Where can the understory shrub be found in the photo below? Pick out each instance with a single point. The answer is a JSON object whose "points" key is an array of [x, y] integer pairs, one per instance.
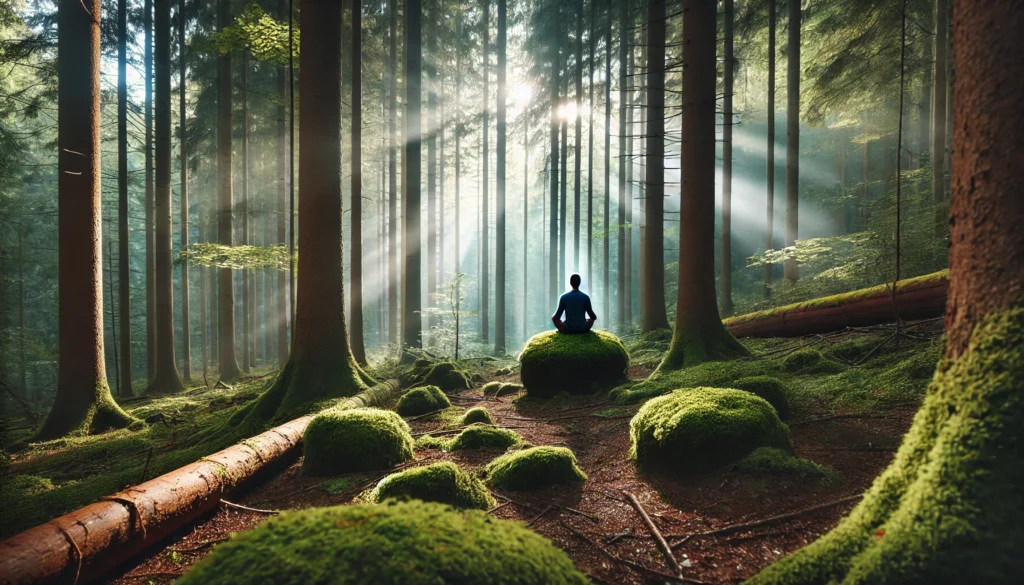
{"points": [[534, 468], [769, 388], [444, 483], [580, 363], [421, 401], [361, 439]]}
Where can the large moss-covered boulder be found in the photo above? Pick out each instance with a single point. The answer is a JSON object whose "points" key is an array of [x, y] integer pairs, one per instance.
{"points": [[697, 429], [422, 400], [398, 542], [447, 376], [363, 439], [534, 468], [581, 363], [444, 483], [769, 388]]}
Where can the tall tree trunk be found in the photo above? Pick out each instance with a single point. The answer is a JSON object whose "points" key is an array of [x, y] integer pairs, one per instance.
{"points": [[83, 403], [578, 140], [204, 322], [592, 34], [186, 332], [430, 125], [939, 106], [654, 315], [607, 306], [623, 264], [412, 325], [284, 175], [556, 66], [226, 303], [769, 227], [727, 84], [630, 101], [150, 271], [563, 209], [485, 238], [526, 220], [392, 172], [699, 334], [165, 377], [246, 298], [947, 508], [790, 269], [123, 248], [458, 154], [499, 268], [356, 266]]}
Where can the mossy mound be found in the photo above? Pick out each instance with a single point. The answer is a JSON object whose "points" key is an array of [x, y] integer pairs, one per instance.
{"points": [[500, 388], [703, 428], [448, 377], [534, 468], [716, 374], [650, 347], [809, 361], [363, 439], [769, 388], [772, 461], [581, 363], [476, 415], [397, 542], [422, 400], [444, 483], [478, 436]]}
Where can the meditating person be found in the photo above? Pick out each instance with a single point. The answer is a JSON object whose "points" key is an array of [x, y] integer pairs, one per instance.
{"points": [[575, 305]]}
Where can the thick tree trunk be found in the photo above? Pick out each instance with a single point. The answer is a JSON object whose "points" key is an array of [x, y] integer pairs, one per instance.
{"points": [[947, 509], [499, 261], [412, 324], [226, 302], [83, 403], [654, 315], [725, 294], [790, 269], [186, 332], [356, 265], [699, 334], [150, 268], [485, 219], [623, 264], [769, 226], [284, 158], [392, 172], [123, 248]]}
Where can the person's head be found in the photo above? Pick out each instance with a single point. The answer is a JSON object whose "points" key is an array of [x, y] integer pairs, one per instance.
{"points": [[574, 281]]}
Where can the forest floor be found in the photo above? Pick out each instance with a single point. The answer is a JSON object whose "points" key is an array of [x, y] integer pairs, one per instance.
{"points": [[849, 419]]}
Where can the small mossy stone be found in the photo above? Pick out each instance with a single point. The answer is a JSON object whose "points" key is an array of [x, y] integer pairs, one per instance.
{"points": [[363, 439], [772, 461], [396, 542], [484, 437], [534, 468], [448, 377], [444, 483], [497, 389], [582, 363], [476, 415], [697, 429], [490, 388], [421, 401], [769, 388]]}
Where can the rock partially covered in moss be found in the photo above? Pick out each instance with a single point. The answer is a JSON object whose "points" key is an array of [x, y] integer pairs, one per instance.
{"points": [[476, 415], [444, 483], [478, 436], [582, 363], [769, 388], [422, 400], [363, 439], [702, 428], [448, 377], [772, 461], [500, 388], [398, 542], [534, 468]]}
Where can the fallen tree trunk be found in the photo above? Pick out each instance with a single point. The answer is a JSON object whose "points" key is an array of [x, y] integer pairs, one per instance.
{"points": [[923, 297], [89, 542]]}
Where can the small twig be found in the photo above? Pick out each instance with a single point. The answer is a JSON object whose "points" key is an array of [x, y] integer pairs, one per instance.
{"points": [[627, 562], [616, 537], [658, 538], [538, 516], [498, 507], [248, 509], [164, 574], [200, 547]]}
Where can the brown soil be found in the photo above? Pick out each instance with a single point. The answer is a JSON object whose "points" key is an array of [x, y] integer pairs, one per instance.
{"points": [[594, 523]]}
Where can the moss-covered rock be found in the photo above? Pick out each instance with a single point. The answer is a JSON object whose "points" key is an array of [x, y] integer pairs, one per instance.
{"points": [[500, 388], [364, 439], [422, 400], [476, 415], [772, 461], [769, 388], [534, 468], [715, 374], [701, 428], [581, 363], [397, 542], [447, 376], [809, 361], [444, 483], [478, 436]]}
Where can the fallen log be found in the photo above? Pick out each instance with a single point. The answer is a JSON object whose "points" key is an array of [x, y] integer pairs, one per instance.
{"points": [[923, 297], [89, 542]]}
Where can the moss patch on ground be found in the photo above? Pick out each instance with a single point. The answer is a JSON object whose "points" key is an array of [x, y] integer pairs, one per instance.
{"points": [[809, 361], [421, 401], [553, 362], [405, 542], [773, 461], [769, 388], [497, 389], [363, 439], [698, 429], [716, 374], [444, 483], [447, 376], [534, 468], [649, 348], [476, 415], [478, 436]]}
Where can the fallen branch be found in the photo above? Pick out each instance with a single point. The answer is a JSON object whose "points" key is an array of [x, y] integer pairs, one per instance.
{"points": [[629, 563], [248, 509], [658, 538], [538, 516], [199, 547]]}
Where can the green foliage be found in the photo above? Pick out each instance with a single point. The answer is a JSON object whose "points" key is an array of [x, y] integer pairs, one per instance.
{"points": [[698, 429], [534, 468], [581, 363], [444, 483], [447, 376], [421, 401], [337, 485], [476, 415], [772, 461], [650, 347], [717, 374], [363, 439], [804, 361], [477, 436], [237, 257], [769, 388], [398, 542], [259, 33], [854, 349]]}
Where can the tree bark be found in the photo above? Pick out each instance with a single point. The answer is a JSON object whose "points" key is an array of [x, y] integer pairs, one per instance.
{"points": [[654, 315], [578, 140], [556, 67], [356, 265], [485, 235], [392, 289], [725, 294], [244, 220], [770, 156], [792, 272], [150, 268], [411, 320], [939, 106], [623, 264], [83, 403], [283, 308], [430, 125], [499, 261], [186, 332], [592, 33], [123, 247], [226, 303], [607, 304]]}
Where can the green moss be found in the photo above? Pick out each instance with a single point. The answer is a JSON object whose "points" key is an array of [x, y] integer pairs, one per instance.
{"points": [[399, 542], [650, 347], [478, 436], [94, 416], [444, 483], [476, 415], [447, 376], [769, 388], [716, 374], [534, 468], [364, 439], [701, 428], [772, 461], [809, 361], [500, 388], [337, 485], [582, 363], [695, 345], [949, 507], [421, 401], [854, 348]]}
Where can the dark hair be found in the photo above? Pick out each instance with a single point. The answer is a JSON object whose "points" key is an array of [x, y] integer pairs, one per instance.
{"points": [[575, 280]]}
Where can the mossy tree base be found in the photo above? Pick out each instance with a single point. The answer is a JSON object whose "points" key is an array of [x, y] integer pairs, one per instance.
{"points": [[691, 346], [950, 508], [97, 414]]}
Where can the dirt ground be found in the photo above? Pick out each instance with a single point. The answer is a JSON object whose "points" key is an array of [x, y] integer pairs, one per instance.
{"points": [[594, 522]]}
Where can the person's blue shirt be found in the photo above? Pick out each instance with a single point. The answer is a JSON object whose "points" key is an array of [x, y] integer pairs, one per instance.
{"points": [[576, 307]]}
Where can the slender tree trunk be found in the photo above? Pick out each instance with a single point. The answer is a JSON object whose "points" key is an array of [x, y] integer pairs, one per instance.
{"points": [[606, 289], [83, 403], [411, 321], [526, 221], [485, 241], [553, 215], [790, 268], [458, 155], [204, 322], [499, 282], [246, 298], [22, 363], [578, 140], [563, 208], [123, 247], [226, 303], [430, 125], [727, 83], [392, 172], [284, 177], [147, 25], [699, 334], [939, 106], [356, 266], [630, 97], [654, 315], [623, 264], [186, 332], [769, 227], [590, 151]]}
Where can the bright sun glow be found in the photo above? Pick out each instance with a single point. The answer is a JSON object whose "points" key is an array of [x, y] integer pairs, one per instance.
{"points": [[523, 93]]}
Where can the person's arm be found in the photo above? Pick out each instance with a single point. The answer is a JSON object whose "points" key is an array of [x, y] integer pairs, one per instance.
{"points": [[590, 311], [556, 319]]}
